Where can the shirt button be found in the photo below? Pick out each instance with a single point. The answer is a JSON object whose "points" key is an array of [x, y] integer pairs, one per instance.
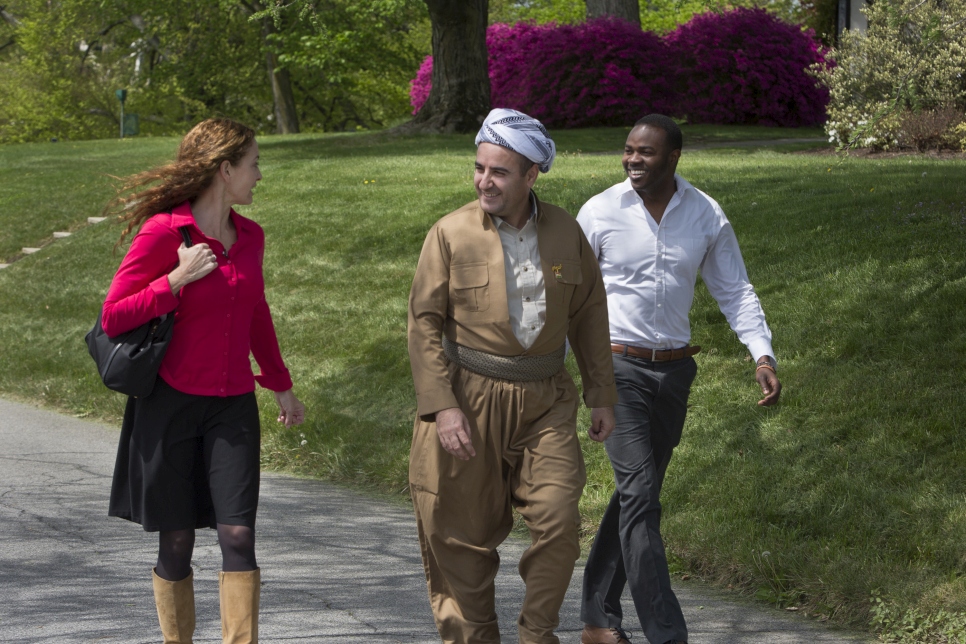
{"points": [[226, 335], [528, 299], [232, 299], [521, 239], [222, 390], [525, 269], [659, 305], [224, 373], [229, 261], [533, 328], [229, 315]]}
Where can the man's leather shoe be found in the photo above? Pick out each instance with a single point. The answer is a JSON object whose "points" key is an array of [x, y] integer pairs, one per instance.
{"points": [[603, 635]]}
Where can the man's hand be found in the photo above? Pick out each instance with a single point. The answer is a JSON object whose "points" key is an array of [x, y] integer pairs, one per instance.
{"points": [[453, 429], [601, 423], [770, 386]]}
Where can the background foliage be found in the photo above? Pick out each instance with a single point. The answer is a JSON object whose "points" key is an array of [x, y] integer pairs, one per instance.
{"points": [[746, 66], [350, 61], [736, 66], [600, 72], [903, 82], [185, 60], [59, 77], [662, 16]]}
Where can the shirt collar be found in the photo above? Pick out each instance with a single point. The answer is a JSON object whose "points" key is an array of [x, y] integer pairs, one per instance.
{"points": [[181, 215], [627, 195]]}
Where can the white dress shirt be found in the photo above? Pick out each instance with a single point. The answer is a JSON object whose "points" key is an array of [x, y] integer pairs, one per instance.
{"points": [[526, 294], [650, 269]]}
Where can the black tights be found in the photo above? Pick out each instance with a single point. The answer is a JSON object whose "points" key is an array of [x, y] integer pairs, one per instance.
{"points": [[175, 547]]}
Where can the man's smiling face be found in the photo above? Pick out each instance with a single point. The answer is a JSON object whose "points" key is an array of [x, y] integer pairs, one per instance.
{"points": [[648, 158], [503, 189]]}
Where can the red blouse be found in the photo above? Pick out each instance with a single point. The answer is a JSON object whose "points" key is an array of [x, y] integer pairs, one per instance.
{"points": [[218, 320]]}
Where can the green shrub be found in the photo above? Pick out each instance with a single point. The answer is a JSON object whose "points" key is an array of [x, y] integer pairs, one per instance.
{"points": [[911, 59], [959, 133]]}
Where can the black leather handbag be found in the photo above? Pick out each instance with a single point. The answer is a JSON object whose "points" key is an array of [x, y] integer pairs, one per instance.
{"points": [[129, 362]]}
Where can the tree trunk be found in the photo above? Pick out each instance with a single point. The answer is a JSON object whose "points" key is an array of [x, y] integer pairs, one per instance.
{"points": [[286, 118], [629, 10], [460, 97]]}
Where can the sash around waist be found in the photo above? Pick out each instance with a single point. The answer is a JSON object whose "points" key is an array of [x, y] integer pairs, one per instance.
{"points": [[513, 368]]}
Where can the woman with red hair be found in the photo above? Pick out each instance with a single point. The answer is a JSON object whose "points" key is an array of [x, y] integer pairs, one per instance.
{"points": [[189, 452]]}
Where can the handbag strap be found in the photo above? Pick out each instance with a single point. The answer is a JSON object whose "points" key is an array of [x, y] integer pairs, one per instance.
{"points": [[186, 236]]}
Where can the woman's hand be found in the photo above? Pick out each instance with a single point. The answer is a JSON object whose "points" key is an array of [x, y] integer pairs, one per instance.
{"points": [[290, 410], [193, 264]]}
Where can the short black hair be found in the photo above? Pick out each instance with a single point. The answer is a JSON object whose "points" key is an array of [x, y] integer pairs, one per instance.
{"points": [[525, 165], [666, 123]]}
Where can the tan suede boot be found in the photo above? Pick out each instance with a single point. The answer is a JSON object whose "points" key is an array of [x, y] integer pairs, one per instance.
{"points": [[239, 592], [176, 608]]}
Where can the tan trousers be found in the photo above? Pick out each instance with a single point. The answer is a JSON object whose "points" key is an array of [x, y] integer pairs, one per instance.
{"points": [[527, 457]]}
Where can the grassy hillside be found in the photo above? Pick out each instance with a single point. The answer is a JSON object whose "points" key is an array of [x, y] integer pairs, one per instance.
{"points": [[852, 488], [47, 187]]}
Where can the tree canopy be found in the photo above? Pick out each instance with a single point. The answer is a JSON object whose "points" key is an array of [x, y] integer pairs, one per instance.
{"points": [[302, 65], [346, 66]]}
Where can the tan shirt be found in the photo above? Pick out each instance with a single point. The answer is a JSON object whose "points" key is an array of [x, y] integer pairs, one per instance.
{"points": [[460, 289]]}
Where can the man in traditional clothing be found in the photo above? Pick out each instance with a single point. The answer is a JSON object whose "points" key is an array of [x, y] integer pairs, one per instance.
{"points": [[652, 234], [501, 284]]}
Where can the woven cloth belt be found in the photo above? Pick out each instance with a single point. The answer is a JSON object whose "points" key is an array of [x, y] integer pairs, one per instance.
{"points": [[514, 368], [655, 355]]}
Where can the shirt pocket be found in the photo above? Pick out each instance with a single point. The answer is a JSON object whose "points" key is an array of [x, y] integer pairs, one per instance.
{"points": [[685, 254], [567, 275], [469, 286]]}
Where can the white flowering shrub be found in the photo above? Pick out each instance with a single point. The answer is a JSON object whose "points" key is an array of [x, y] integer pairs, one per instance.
{"points": [[911, 61]]}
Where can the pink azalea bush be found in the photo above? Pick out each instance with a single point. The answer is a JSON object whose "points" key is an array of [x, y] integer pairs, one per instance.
{"points": [[419, 87], [740, 66], [747, 66], [602, 72]]}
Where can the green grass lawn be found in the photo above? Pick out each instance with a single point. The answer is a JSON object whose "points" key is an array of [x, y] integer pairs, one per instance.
{"points": [[48, 187], [852, 488]]}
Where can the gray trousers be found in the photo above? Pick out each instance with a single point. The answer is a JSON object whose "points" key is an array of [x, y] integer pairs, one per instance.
{"points": [[628, 550]]}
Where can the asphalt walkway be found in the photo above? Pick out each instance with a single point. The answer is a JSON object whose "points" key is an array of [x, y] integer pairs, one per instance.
{"points": [[336, 566]]}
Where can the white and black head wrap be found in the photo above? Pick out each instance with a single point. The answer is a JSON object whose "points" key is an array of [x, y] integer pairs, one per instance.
{"points": [[521, 133]]}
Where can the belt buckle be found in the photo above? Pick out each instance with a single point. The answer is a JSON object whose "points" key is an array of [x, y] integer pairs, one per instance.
{"points": [[653, 355]]}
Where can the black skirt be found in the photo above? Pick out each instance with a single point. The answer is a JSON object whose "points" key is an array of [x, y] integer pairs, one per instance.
{"points": [[187, 461]]}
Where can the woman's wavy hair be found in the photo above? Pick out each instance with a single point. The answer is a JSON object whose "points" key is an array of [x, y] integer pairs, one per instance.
{"points": [[201, 153]]}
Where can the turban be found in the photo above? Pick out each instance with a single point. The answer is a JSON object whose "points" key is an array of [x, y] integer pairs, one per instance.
{"points": [[521, 133]]}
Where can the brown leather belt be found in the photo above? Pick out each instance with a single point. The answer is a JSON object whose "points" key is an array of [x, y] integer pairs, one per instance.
{"points": [[655, 355]]}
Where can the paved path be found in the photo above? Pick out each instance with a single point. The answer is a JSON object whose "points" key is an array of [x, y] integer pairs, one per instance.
{"points": [[337, 566]]}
